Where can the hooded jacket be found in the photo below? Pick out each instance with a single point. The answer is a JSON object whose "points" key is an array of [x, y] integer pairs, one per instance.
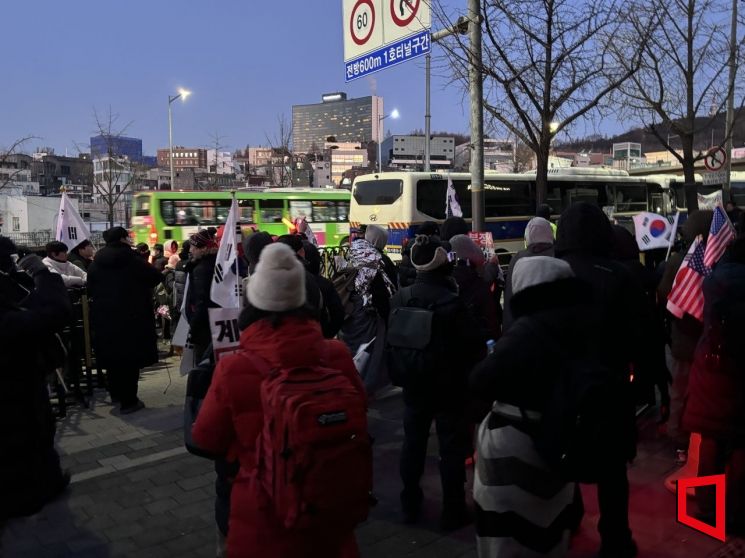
{"points": [[231, 419], [539, 239], [72, 275], [121, 284], [198, 302], [716, 393], [627, 332]]}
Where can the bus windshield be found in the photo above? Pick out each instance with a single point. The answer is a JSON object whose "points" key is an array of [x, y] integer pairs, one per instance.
{"points": [[377, 192]]}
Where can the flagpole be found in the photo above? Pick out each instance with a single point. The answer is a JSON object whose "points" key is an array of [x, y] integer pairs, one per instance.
{"points": [[672, 236], [235, 236]]}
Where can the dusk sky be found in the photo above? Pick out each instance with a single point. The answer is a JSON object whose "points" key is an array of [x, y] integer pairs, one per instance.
{"points": [[246, 62]]}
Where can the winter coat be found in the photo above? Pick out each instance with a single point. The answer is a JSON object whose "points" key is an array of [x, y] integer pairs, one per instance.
{"points": [[475, 294], [121, 284], [198, 300], [72, 275], [716, 392], [457, 336], [29, 466], [540, 249], [179, 284], [332, 314], [519, 376], [160, 263], [231, 419], [80, 261]]}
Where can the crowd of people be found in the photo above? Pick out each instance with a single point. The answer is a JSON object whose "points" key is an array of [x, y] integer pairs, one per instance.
{"points": [[532, 376]]}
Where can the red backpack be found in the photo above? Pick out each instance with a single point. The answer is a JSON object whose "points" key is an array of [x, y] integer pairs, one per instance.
{"points": [[314, 454]]}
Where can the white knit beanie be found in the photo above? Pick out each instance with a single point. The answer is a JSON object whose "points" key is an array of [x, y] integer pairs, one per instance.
{"points": [[536, 270], [538, 231], [278, 284], [377, 236]]}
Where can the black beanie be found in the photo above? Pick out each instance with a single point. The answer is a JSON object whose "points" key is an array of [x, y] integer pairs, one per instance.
{"points": [[294, 241], [253, 245]]}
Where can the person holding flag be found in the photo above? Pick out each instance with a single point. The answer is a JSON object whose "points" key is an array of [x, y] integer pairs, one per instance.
{"points": [[685, 331], [200, 270], [715, 408]]}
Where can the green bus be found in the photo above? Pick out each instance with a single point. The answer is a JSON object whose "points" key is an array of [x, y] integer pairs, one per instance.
{"points": [[162, 216]]}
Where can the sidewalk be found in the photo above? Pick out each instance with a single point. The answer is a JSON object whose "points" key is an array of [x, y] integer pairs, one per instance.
{"points": [[136, 492]]}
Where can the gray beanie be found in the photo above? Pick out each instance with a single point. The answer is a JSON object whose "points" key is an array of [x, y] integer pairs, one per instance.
{"points": [[466, 249], [539, 231], [278, 284], [537, 270], [377, 236]]}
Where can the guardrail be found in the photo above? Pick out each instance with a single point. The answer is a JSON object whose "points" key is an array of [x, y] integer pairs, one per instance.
{"points": [[34, 241], [331, 259]]}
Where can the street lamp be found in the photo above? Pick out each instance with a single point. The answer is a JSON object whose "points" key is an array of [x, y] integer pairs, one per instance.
{"points": [[393, 114], [182, 94]]}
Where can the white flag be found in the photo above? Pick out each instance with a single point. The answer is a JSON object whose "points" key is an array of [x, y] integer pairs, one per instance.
{"points": [[226, 283], [654, 231], [710, 201], [452, 206], [71, 229]]}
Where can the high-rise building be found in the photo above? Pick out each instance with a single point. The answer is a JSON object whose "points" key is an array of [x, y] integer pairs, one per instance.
{"points": [[346, 120], [120, 146]]}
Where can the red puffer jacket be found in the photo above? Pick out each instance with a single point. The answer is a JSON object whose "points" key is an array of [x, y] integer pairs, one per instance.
{"points": [[231, 419]]}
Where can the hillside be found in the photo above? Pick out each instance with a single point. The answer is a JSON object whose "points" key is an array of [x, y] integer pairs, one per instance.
{"points": [[651, 143]]}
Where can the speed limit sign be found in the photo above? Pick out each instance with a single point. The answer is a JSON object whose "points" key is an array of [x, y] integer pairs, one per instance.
{"points": [[362, 22]]}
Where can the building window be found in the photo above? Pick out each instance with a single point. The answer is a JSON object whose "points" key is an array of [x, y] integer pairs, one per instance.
{"points": [[16, 224]]}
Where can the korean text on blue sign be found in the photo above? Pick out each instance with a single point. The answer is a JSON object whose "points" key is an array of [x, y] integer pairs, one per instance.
{"points": [[390, 55]]}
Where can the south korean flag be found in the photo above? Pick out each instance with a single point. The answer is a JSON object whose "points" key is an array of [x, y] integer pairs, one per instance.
{"points": [[71, 229]]}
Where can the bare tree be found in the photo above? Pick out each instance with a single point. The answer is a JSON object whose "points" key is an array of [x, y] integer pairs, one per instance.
{"points": [[113, 174], [8, 174], [280, 143], [682, 83], [217, 145], [547, 64]]}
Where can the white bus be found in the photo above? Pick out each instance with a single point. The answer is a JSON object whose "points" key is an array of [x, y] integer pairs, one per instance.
{"points": [[675, 185], [401, 201]]}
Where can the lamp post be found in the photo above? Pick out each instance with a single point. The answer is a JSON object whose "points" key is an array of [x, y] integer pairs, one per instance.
{"points": [[393, 114], [182, 94]]}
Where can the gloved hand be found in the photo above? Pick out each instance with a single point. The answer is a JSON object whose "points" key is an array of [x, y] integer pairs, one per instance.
{"points": [[32, 265]]}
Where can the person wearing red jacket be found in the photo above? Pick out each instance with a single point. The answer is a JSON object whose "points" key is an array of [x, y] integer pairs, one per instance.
{"points": [[284, 335]]}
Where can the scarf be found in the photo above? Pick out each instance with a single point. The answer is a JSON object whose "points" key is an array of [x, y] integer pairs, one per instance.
{"points": [[368, 262]]}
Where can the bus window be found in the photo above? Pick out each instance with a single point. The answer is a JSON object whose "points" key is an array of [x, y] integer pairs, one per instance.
{"points": [[301, 209], [271, 210], [142, 206], [631, 197], [246, 208], [342, 211], [187, 212], [508, 199], [324, 211], [553, 198], [377, 192]]}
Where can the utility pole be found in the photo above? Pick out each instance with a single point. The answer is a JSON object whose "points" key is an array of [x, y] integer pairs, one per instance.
{"points": [[477, 116], [460, 27], [729, 127]]}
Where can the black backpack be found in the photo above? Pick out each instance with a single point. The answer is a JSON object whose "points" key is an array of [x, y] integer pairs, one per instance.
{"points": [[586, 421], [410, 354], [343, 282]]}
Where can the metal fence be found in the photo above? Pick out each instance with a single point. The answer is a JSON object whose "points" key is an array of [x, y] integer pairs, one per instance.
{"points": [[332, 259], [34, 241]]}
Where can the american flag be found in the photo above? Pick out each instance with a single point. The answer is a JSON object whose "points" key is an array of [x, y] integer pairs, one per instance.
{"points": [[687, 295], [720, 235]]}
